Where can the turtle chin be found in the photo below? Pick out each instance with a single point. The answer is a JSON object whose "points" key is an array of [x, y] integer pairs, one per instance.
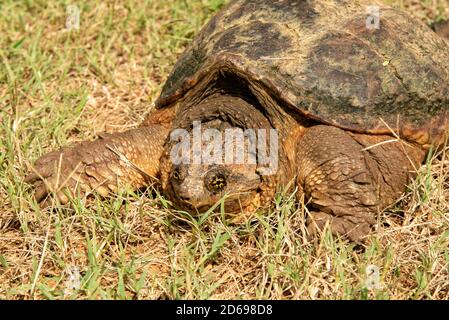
{"points": [[232, 204]]}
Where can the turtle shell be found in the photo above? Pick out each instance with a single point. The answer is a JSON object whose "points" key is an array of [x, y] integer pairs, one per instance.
{"points": [[327, 60]]}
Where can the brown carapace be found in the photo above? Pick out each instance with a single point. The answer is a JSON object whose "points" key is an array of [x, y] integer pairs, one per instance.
{"points": [[355, 108]]}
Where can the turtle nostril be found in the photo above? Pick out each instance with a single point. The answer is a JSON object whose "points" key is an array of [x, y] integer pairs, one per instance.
{"points": [[184, 198]]}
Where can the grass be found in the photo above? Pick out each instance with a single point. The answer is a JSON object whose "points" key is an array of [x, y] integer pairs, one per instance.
{"points": [[59, 87]]}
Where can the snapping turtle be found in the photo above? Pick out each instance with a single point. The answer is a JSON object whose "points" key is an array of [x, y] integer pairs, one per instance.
{"points": [[353, 106]]}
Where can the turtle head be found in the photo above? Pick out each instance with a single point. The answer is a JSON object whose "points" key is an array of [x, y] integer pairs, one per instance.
{"points": [[214, 156], [207, 175]]}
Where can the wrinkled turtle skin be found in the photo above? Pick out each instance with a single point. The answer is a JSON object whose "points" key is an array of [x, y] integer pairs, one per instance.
{"points": [[356, 109]]}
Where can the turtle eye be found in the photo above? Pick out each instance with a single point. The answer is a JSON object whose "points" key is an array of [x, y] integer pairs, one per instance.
{"points": [[217, 183], [176, 175]]}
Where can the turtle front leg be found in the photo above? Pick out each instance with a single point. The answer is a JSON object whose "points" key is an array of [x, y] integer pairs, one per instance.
{"points": [[130, 158], [348, 178]]}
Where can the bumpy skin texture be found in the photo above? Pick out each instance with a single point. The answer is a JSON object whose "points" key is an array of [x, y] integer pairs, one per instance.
{"points": [[130, 158], [350, 178]]}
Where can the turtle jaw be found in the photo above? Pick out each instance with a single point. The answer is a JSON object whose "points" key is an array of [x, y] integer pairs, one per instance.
{"points": [[233, 204]]}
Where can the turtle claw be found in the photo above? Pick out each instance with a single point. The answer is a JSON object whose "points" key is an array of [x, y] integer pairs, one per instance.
{"points": [[339, 226], [53, 172]]}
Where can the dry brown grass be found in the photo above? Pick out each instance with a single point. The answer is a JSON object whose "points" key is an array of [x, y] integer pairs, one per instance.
{"points": [[57, 88]]}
